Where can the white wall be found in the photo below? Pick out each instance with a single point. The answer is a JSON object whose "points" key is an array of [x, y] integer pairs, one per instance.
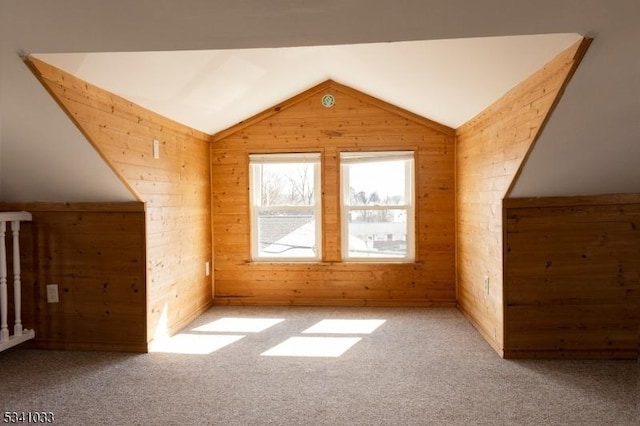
{"points": [[591, 144], [44, 156]]}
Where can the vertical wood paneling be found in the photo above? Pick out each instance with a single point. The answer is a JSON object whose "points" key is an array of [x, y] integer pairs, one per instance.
{"points": [[175, 189], [572, 277], [356, 122], [96, 255], [490, 149]]}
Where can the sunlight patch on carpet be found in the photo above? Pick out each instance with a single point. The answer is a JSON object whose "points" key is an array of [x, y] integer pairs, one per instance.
{"points": [[239, 325], [193, 344], [313, 346], [343, 326]]}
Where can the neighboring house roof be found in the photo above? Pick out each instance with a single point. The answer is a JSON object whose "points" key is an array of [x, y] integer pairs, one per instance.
{"points": [[284, 230]]}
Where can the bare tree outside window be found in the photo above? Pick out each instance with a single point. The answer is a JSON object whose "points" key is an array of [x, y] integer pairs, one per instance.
{"points": [[285, 210], [301, 183], [271, 188], [362, 198]]}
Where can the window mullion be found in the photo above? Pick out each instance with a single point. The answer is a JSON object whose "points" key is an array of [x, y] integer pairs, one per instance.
{"points": [[379, 207]]}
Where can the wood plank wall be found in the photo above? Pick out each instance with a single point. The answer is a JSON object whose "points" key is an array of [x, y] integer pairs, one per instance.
{"points": [[96, 255], [356, 122], [490, 150], [175, 189], [572, 277]]}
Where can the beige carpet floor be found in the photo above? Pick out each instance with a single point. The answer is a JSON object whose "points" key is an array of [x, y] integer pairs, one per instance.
{"points": [[319, 366]]}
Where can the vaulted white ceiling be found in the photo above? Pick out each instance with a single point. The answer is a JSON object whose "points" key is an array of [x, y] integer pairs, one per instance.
{"points": [[591, 144], [448, 81]]}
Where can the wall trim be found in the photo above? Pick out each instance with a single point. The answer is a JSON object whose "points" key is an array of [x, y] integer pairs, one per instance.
{"points": [[495, 345], [568, 201], [570, 354], [390, 303], [111, 207], [86, 346]]}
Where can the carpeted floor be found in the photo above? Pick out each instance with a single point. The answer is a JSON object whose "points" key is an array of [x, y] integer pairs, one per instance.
{"points": [[417, 367]]}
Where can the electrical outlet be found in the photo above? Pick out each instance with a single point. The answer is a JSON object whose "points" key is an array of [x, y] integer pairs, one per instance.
{"points": [[52, 293], [207, 268]]}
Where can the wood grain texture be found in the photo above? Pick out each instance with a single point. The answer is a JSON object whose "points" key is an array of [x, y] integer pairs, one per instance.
{"points": [[175, 189], [96, 254], [572, 277], [490, 150], [356, 122]]}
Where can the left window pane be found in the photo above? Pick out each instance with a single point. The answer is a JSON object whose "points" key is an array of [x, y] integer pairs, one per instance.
{"points": [[285, 206]]}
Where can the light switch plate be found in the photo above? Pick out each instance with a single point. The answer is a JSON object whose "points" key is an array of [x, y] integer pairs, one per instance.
{"points": [[156, 148]]}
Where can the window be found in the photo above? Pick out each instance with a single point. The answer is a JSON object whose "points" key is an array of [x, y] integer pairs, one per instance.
{"points": [[377, 205], [285, 206]]}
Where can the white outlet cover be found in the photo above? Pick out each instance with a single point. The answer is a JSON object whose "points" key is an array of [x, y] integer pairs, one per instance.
{"points": [[52, 293]]}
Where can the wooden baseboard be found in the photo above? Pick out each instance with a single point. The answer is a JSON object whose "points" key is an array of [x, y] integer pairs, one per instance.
{"points": [[566, 354], [175, 328], [486, 336], [86, 346], [257, 301]]}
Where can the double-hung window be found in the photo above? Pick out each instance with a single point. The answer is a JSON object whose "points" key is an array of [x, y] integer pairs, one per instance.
{"points": [[285, 207], [378, 206]]}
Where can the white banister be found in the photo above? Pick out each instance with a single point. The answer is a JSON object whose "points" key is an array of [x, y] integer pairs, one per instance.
{"points": [[19, 335]]}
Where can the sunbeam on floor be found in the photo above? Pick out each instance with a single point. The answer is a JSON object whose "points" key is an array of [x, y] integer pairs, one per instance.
{"points": [[212, 336]]}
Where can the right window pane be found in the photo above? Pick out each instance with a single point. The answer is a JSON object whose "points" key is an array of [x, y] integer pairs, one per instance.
{"points": [[377, 205]]}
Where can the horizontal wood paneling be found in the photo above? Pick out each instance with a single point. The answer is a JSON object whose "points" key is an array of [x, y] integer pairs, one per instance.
{"points": [[490, 150], [357, 121], [175, 189], [572, 277], [96, 254]]}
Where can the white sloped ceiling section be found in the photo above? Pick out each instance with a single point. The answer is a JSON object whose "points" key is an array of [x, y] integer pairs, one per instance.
{"points": [[589, 146]]}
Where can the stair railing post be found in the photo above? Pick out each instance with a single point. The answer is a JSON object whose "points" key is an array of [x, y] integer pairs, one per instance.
{"points": [[4, 327], [17, 290]]}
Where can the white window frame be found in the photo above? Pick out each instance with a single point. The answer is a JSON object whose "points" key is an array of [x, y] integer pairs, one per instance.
{"points": [[255, 182], [352, 157]]}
